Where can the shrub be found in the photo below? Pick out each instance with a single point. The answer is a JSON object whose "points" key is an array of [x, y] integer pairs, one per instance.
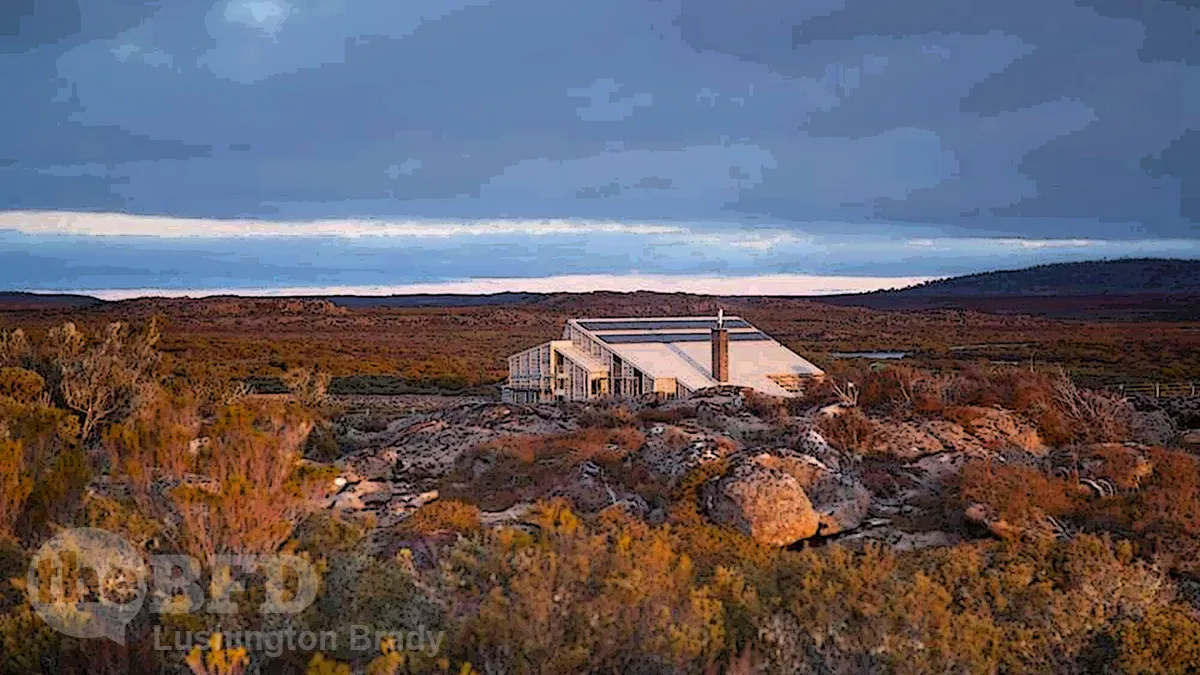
{"points": [[516, 468], [849, 430], [20, 384], [157, 442], [606, 416], [666, 415], [16, 483], [444, 515], [309, 386], [998, 607], [325, 533], [54, 465], [263, 492], [108, 380], [1020, 497], [613, 595], [766, 408], [1164, 640]]}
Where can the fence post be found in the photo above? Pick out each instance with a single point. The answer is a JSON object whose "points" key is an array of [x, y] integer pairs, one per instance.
{"points": [[1157, 390]]}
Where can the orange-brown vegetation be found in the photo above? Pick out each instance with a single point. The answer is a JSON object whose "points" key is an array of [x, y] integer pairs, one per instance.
{"points": [[1061, 411], [518, 468], [1157, 508], [456, 347], [849, 430], [150, 437]]}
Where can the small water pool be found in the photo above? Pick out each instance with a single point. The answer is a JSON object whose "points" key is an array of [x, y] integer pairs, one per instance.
{"points": [[869, 355]]}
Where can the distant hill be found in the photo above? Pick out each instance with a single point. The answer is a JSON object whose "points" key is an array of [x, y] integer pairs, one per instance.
{"points": [[16, 300], [1133, 289], [1132, 276]]}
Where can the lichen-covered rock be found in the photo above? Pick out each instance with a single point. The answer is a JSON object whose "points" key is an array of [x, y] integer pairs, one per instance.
{"points": [[840, 500], [671, 452], [763, 502], [1154, 427]]}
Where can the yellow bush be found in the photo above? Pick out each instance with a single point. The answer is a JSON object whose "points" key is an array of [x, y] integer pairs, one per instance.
{"points": [[444, 515]]}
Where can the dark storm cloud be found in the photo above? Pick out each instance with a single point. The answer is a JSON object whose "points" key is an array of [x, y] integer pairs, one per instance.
{"points": [[1028, 117]]}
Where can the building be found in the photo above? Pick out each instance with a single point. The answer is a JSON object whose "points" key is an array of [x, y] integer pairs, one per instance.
{"points": [[672, 357]]}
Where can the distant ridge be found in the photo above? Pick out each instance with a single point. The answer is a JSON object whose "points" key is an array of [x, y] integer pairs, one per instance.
{"points": [[1128, 289], [430, 299], [13, 300], [1127, 276]]}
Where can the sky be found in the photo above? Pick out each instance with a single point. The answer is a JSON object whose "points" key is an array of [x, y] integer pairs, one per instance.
{"points": [[514, 144]]}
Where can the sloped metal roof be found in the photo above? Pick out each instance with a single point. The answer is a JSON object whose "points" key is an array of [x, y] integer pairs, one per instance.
{"points": [[686, 354]]}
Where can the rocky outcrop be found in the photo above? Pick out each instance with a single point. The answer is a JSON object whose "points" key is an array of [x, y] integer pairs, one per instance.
{"points": [[429, 443], [672, 452], [590, 491], [987, 430], [840, 500]]}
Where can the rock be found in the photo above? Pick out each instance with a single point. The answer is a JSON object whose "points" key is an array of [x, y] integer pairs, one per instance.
{"points": [[347, 501], [510, 515], [1190, 440], [675, 452], [982, 515], [989, 430], [766, 503], [840, 501], [1154, 427], [590, 491]]}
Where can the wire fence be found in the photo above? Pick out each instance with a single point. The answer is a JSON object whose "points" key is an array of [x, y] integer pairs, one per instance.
{"points": [[1156, 389]]}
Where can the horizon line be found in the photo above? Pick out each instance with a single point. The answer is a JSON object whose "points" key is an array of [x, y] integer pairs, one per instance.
{"points": [[756, 285]]}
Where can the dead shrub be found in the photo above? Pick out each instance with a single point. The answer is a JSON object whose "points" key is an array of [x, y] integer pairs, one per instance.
{"points": [[1097, 417], [15, 348], [109, 380]]}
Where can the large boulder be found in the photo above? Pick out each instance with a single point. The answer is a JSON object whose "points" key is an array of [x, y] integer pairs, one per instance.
{"points": [[840, 501], [1154, 427], [763, 502], [780, 498]]}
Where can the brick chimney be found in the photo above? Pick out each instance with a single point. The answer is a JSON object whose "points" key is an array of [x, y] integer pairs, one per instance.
{"points": [[720, 350]]}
